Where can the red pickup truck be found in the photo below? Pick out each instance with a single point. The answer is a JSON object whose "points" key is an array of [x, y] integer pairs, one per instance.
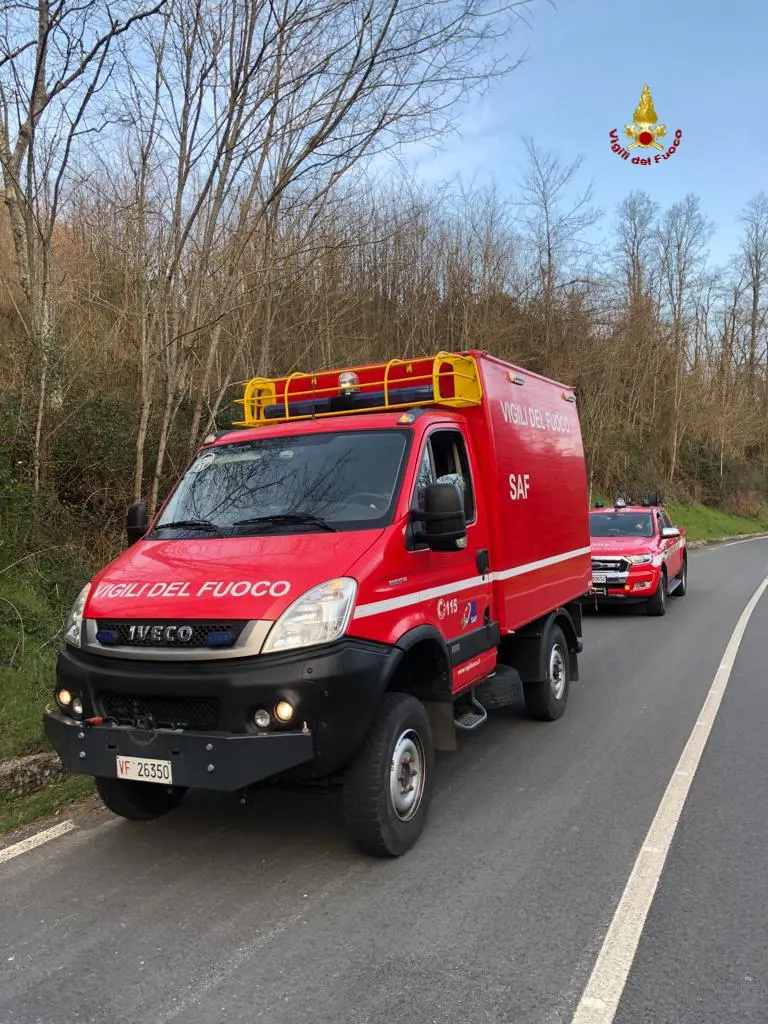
{"points": [[638, 555]]}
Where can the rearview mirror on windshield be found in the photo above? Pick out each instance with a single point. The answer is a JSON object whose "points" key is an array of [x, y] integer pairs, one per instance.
{"points": [[443, 517], [136, 522]]}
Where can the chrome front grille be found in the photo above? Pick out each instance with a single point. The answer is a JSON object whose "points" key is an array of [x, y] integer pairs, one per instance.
{"points": [[617, 566]]}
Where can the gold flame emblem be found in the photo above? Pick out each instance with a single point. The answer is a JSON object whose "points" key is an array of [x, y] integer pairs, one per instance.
{"points": [[646, 130]]}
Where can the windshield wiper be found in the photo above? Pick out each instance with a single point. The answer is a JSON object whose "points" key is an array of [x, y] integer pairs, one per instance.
{"points": [[190, 524], [288, 519]]}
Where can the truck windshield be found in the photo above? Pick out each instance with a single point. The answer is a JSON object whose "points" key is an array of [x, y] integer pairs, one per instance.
{"points": [[298, 484], [620, 524]]}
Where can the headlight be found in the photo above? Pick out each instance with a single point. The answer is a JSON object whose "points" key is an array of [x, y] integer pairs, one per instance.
{"points": [[318, 617], [640, 559], [74, 628]]}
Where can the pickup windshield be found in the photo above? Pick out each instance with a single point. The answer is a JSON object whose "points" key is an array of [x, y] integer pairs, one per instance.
{"points": [[621, 524], [308, 483]]}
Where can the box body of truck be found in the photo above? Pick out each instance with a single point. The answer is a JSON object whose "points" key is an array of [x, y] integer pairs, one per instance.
{"points": [[369, 562]]}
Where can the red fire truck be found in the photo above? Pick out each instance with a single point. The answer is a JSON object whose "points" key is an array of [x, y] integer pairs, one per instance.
{"points": [[638, 555], [358, 571]]}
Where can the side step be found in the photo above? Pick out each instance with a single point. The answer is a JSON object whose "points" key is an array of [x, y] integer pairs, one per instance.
{"points": [[673, 584], [472, 717], [497, 691]]}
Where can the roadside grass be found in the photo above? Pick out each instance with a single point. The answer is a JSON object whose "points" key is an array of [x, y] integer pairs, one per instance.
{"points": [[703, 523], [21, 810], [31, 622]]}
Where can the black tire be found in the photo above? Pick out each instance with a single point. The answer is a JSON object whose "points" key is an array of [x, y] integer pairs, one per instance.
{"points": [[682, 585], [657, 602], [373, 821], [546, 700], [138, 801]]}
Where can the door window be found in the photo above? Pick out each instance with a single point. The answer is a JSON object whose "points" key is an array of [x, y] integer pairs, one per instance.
{"points": [[444, 460]]}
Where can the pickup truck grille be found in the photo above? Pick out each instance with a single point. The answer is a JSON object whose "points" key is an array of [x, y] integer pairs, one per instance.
{"points": [[198, 713], [619, 565], [164, 634]]}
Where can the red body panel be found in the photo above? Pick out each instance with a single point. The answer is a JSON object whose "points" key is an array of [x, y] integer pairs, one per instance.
{"points": [[534, 433], [526, 462]]}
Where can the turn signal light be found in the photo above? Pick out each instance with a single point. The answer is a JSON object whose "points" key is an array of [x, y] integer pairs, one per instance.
{"points": [[64, 698]]}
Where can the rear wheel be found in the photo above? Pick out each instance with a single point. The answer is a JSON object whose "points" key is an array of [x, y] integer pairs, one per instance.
{"points": [[388, 788], [138, 801], [546, 700], [682, 580], [657, 603]]}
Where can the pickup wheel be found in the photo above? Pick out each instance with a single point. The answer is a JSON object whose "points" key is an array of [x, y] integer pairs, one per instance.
{"points": [[546, 700], [657, 603], [388, 788], [138, 801], [682, 580]]}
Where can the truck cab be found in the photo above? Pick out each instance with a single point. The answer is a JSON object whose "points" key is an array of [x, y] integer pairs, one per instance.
{"points": [[355, 574], [638, 555]]}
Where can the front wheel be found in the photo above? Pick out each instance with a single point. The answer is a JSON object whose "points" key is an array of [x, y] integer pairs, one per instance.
{"points": [[682, 581], [546, 700], [657, 603], [388, 788], [138, 801]]}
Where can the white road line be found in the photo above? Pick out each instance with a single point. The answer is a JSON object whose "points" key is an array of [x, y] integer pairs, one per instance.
{"points": [[733, 543], [609, 976], [9, 852]]}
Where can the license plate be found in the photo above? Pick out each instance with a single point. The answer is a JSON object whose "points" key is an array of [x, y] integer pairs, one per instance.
{"points": [[598, 577], [144, 769]]}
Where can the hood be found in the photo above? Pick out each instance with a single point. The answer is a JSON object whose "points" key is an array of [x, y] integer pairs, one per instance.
{"points": [[221, 578], [622, 545]]}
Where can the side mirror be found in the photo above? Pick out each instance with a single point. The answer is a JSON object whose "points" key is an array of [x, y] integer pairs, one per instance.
{"points": [[669, 532], [136, 522], [443, 516]]}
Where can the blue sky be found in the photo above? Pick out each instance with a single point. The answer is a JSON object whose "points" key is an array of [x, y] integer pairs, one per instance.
{"points": [[706, 64]]}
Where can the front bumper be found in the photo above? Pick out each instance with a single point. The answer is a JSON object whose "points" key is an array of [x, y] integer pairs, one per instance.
{"points": [[335, 691], [198, 760], [636, 585]]}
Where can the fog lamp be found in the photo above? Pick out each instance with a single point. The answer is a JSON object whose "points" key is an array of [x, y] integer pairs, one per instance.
{"points": [[284, 711]]}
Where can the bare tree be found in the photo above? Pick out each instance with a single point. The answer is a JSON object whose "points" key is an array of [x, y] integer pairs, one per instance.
{"points": [[252, 105], [54, 60], [682, 239], [553, 227], [753, 256]]}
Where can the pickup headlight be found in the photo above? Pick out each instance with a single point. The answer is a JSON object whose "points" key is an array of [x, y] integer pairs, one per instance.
{"points": [[73, 632], [318, 617], [640, 559]]}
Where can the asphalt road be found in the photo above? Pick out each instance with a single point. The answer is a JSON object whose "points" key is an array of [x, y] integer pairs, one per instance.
{"points": [[220, 914]]}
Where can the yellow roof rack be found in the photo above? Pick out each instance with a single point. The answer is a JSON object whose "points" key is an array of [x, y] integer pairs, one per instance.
{"points": [[447, 379]]}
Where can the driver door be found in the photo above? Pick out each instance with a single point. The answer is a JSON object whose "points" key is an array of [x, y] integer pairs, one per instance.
{"points": [[459, 602]]}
